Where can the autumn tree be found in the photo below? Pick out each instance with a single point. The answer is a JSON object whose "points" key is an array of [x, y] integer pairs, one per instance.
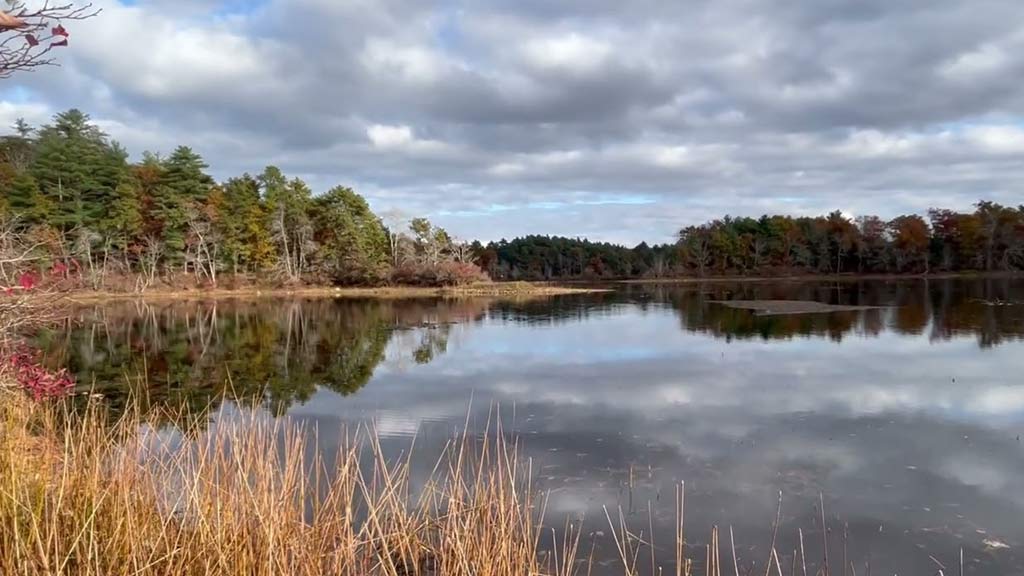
{"points": [[872, 244], [843, 237], [910, 239], [247, 242]]}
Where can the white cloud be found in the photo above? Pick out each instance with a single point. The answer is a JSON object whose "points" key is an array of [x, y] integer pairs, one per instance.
{"points": [[671, 156], [971, 65], [158, 57], [33, 112], [504, 169], [997, 139], [874, 144], [573, 53], [389, 136], [401, 138]]}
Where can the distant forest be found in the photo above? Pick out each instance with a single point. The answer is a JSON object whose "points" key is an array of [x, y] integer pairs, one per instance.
{"points": [[988, 239], [72, 208]]}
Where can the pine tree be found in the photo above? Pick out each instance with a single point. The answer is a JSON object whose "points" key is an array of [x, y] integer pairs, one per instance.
{"points": [[123, 226], [182, 185], [353, 244], [77, 170], [26, 200]]}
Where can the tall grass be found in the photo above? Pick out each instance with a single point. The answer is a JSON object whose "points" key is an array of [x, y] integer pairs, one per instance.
{"points": [[252, 496]]}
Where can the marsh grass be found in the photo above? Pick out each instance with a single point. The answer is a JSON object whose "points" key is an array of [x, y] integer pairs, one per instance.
{"points": [[251, 495]]}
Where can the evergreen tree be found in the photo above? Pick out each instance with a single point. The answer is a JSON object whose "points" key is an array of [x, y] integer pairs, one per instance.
{"points": [[183, 184], [353, 245], [124, 224], [77, 170]]}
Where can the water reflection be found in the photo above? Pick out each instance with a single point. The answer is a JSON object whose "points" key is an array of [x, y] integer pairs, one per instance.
{"points": [[990, 309], [907, 417], [192, 355]]}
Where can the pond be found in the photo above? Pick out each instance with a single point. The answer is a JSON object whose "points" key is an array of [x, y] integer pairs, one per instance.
{"points": [[902, 408]]}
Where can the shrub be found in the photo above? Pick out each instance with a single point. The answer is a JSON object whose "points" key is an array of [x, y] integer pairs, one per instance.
{"points": [[443, 274], [35, 379]]}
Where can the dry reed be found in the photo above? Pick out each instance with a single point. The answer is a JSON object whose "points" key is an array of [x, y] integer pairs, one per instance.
{"points": [[250, 496]]}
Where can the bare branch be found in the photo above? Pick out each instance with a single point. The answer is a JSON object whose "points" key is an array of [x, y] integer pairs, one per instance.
{"points": [[29, 36]]}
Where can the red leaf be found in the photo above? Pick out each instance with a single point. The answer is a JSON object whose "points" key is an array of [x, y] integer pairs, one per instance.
{"points": [[27, 281], [31, 40], [63, 42], [59, 30]]}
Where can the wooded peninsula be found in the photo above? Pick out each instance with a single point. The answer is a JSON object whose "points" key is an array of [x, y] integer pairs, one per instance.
{"points": [[74, 210]]}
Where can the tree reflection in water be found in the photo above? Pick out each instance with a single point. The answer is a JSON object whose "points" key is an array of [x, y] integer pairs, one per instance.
{"points": [[190, 355]]}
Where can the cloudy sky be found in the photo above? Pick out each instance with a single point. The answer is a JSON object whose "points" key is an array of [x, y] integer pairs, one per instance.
{"points": [[614, 119]]}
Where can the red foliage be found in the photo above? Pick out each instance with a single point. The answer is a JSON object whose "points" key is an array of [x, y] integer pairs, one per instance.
{"points": [[27, 281], [35, 379]]}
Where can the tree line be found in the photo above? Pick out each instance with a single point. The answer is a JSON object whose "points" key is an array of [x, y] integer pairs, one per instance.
{"points": [[71, 204], [988, 239]]}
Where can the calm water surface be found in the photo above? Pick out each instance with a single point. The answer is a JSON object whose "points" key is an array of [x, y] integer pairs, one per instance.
{"points": [[908, 417]]}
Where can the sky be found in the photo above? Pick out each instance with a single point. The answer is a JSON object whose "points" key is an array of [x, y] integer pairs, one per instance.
{"points": [[616, 120]]}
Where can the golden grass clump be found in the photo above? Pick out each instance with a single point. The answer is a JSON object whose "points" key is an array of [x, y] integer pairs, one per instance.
{"points": [[249, 496]]}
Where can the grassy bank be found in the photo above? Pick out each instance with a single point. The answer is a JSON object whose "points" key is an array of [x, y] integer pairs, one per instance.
{"points": [[489, 289]]}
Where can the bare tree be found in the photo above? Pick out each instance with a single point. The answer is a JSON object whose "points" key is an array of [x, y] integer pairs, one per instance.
{"points": [[658, 265], [149, 260], [10, 248], [395, 220], [279, 228], [461, 251], [28, 36], [696, 241], [203, 244], [83, 240]]}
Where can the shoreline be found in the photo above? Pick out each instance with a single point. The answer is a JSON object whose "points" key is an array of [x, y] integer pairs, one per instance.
{"points": [[502, 290], [509, 290], [826, 278]]}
